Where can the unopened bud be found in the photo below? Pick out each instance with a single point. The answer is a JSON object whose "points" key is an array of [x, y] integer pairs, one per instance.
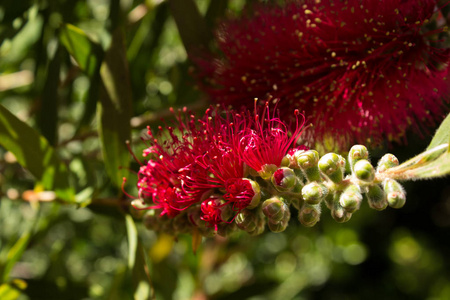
{"points": [[396, 195], [285, 162], [332, 165], [363, 170], [181, 224], [376, 197], [309, 215], [278, 227], [267, 171], [257, 196], [357, 152], [225, 229], [351, 198], [314, 192], [307, 161], [274, 209], [291, 155], [284, 179], [260, 225], [386, 162], [282, 224], [247, 220], [339, 214]]}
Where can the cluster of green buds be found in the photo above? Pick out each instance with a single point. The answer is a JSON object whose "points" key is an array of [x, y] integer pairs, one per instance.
{"points": [[306, 182], [343, 185]]}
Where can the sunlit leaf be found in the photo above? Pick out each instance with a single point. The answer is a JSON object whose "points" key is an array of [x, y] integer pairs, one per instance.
{"points": [[442, 135], [142, 284], [11, 291], [15, 253], [132, 240], [114, 110], [33, 152], [86, 53]]}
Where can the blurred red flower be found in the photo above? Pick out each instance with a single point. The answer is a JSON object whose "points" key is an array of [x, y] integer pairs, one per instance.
{"points": [[360, 70]]}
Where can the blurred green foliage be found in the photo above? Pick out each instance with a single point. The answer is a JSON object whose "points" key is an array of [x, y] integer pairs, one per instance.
{"points": [[78, 79]]}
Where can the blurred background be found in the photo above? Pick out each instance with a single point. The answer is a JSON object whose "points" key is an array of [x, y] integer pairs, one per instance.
{"points": [[77, 79]]}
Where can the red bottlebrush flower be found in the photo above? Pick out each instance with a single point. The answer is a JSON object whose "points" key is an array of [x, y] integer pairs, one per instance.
{"points": [[210, 156], [361, 70], [264, 146], [212, 212], [242, 193]]}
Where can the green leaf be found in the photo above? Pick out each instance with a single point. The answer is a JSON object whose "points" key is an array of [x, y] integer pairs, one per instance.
{"points": [[442, 135], [15, 253], [132, 240], [429, 164], [86, 53], [437, 168], [191, 25], [33, 152], [114, 110], [48, 114], [12, 291]]}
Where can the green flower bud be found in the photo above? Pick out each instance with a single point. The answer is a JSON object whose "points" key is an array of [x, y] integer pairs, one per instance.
{"points": [[386, 162], [295, 201], [376, 197], [396, 195], [226, 229], [332, 165], [256, 197], [181, 224], [357, 152], [284, 179], [364, 171], [267, 171], [282, 224], [309, 215], [351, 198], [307, 161], [278, 227], [285, 162], [339, 214], [274, 209], [247, 220], [207, 231], [314, 192], [329, 200], [260, 226]]}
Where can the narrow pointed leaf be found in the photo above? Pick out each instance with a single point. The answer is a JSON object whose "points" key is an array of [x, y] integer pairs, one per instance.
{"points": [[442, 135], [15, 253], [48, 114], [132, 240], [86, 53], [34, 153], [114, 110]]}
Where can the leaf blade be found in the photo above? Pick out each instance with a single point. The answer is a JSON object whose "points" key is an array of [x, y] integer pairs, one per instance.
{"points": [[442, 135], [86, 53], [34, 153], [114, 110]]}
